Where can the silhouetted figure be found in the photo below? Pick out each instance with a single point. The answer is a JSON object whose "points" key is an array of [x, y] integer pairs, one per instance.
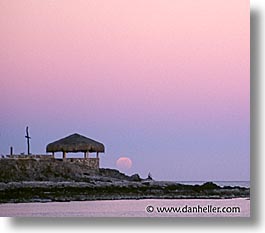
{"points": [[149, 176]]}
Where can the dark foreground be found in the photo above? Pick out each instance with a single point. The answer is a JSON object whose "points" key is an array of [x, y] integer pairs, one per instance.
{"points": [[53, 180], [15, 192]]}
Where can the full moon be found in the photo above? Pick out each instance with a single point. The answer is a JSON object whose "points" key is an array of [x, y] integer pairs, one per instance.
{"points": [[124, 163]]}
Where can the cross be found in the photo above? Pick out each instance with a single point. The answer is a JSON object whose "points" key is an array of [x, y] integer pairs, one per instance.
{"points": [[28, 138]]}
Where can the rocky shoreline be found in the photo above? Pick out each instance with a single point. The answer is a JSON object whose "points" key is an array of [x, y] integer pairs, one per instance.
{"points": [[47, 181], [16, 192]]}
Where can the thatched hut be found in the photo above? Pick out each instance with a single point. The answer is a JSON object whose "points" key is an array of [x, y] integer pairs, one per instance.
{"points": [[76, 143]]}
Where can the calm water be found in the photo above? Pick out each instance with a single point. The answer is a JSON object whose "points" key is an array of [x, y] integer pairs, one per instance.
{"points": [[125, 208]]}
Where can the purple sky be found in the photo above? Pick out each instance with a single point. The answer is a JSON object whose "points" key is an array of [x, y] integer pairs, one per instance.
{"points": [[165, 83]]}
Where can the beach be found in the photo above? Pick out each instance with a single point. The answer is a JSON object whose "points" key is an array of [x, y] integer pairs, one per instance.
{"points": [[237, 207]]}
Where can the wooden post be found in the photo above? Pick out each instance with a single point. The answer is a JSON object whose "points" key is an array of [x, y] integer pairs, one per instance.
{"points": [[64, 155], [28, 138], [86, 154], [97, 155], [11, 150], [53, 154]]}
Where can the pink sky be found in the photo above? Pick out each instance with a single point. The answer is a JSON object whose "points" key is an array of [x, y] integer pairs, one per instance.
{"points": [[162, 67]]}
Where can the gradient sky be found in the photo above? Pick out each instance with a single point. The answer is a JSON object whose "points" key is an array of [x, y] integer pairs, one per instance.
{"points": [[164, 82]]}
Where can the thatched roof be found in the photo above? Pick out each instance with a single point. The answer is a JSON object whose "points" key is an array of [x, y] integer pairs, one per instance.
{"points": [[75, 143]]}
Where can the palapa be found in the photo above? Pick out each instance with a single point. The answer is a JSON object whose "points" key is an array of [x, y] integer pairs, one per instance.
{"points": [[75, 143]]}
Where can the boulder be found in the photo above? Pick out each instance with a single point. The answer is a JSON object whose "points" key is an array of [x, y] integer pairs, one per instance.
{"points": [[135, 177]]}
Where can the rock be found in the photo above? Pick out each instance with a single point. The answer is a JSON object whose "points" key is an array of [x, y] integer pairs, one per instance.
{"points": [[53, 170], [135, 177], [32, 180], [209, 185], [113, 173], [74, 191]]}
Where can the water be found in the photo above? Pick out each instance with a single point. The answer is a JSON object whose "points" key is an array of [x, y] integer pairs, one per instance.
{"points": [[124, 208], [245, 184]]}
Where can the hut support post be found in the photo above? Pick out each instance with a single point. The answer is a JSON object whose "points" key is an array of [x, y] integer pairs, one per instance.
{"points": [[64, 155], [86, 154], [53, 154], [97, 155]]}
